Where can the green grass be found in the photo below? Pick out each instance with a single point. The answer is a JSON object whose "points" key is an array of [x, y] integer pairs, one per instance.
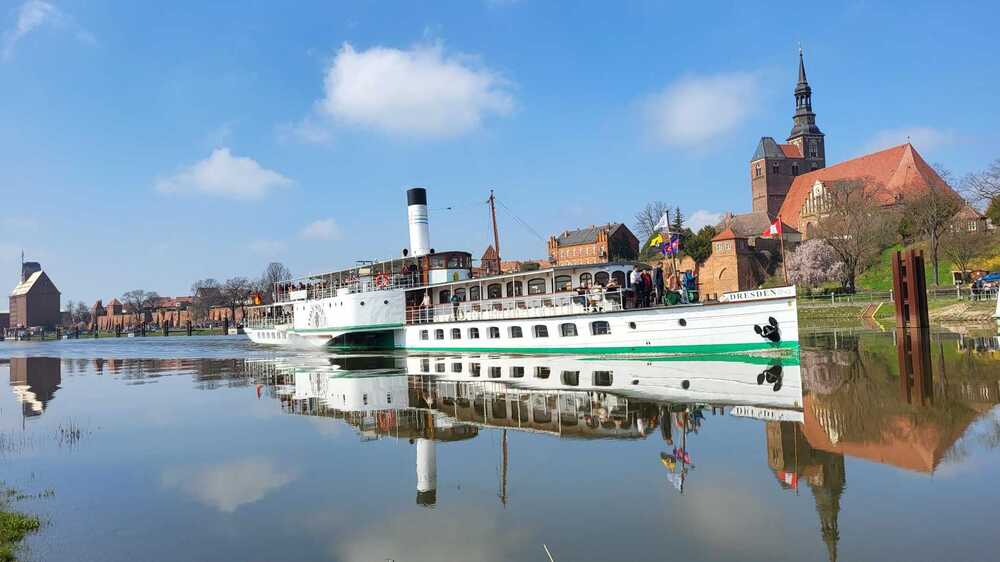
{"points": [[14, 526], [879, 276]]}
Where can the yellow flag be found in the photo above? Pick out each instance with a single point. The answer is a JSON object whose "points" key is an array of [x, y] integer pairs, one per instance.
{"points": [[656, 241]]}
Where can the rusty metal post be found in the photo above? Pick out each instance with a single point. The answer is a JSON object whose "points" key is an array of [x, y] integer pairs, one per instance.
{"points": [[916, 376], [909, 289]]}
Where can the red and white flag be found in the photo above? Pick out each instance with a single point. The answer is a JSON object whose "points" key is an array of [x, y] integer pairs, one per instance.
{"points": [[773, 230]]}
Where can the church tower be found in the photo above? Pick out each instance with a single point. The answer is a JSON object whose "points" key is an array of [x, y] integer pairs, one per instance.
{"points": [[805, 134], [774, 166]]}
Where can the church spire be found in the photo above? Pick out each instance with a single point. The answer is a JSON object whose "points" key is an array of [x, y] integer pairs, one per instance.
{"points": [[804, 118], [802, 71]]}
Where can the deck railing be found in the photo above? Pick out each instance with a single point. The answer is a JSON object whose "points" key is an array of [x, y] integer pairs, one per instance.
{"points": [[532, 306], [327, 290], [266, 322]]}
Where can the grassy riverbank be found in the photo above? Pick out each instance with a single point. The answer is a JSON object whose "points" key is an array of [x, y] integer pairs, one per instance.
{"points": [[940, 309], [14, 526]]}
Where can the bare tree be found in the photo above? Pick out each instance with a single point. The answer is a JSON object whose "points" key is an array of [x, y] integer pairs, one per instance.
{"points": [[984, 185], [930, 212], [646, 219], [205, 294], [82, 313], [855, 225], [235, 292], [140, 301], [275, 272], [962, 245]]}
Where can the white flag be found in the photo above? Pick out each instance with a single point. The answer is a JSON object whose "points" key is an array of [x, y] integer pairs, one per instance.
{"points": [[663, 225]]}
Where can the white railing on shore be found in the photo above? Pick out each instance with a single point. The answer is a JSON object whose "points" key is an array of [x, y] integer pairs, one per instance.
{"points": [[534, 306], [957, 293]]}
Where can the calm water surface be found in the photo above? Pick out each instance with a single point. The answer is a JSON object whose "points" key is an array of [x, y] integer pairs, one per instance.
{"points": [[214, 449]]}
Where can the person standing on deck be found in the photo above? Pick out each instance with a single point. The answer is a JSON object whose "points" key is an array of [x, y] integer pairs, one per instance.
{"points": [[633, 281], [425, 306], [455, 301], [647, 288], [658, 283]]}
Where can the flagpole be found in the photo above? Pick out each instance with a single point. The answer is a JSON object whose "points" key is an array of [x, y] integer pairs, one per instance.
{"points": [[781, 243]]}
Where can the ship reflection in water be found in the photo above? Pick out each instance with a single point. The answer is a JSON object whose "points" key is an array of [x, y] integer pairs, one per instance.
{"points": [[872, 406]]}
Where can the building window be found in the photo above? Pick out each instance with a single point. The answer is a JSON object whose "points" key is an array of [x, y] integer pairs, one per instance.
{"points": [[439, 334], [493, 291], [567, 330], [474, 369], [456, 334], [602, 378], [570, 378], [423, 335], [757, 171], [515, 332], [473, 293], [541, 331], [813, 149], [586, 279], [795, 169], [494, 372], [600, 328], [542, 372], [494, 332], [473, 333], [563, 283], [536, 286], [514, 289], [517, 372], [444, 297]]}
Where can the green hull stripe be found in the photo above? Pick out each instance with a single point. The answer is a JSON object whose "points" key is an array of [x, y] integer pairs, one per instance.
{"points": [[362, 328], [686, 349]]}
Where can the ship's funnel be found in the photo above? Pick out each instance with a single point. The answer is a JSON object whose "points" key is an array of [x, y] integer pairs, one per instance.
{"points": [[416, 209]]}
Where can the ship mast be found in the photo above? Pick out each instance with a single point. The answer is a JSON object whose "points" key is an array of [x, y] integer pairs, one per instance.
{"points": [[496, 233]]}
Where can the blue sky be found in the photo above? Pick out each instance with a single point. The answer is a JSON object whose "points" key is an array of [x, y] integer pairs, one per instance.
{"points": [[146, 145]]}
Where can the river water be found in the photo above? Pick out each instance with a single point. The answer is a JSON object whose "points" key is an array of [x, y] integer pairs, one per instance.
{"points": [[215, 449]]}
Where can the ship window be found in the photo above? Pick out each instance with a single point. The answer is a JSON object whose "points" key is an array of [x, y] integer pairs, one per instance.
{"points": [[619, 277], [517, 372], [473, 293], [494, 332], [473, 333], [542, 372], [437, 262], [567, 330], [364, 398], [603, 378], [515, 289], [439, 334], [563, 283], [516, 332], [601, 278], [461, 294], [425, 365], [600, 328], [456, 334], [456, 367], [586, 278], [541, 331], [455, 262], [494, 372], [536, 286], [439, 367], [494, 291], [474, 369], [424, 335], [444, 297], [570, 378]]}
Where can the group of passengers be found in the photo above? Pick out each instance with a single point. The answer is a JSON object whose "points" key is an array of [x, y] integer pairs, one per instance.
{"points": [[654, 287]]}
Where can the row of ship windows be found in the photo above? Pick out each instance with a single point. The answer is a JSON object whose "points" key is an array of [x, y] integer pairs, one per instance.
{"points": [[568, 378], [568, 329]]}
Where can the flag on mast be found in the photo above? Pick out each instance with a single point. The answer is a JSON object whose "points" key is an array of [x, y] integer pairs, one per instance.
{"points": [[773, 230], [663, 225]]}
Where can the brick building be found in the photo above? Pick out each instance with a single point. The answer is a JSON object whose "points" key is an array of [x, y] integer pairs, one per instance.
{"points": [[34, 302], [612, 242]]}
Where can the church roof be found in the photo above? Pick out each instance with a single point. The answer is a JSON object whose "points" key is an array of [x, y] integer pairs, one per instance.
{"points": [[899, 171], [769, 148], [790, 151], [586, 235], [751, 225]]}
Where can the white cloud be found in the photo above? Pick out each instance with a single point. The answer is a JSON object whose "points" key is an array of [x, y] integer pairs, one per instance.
{"points": [[420, 92], [267, 248], [225, 175], [227, 486], [697, 109], [701, 218], [32, 15], [308, 131], [924, 139], [324, 229]]}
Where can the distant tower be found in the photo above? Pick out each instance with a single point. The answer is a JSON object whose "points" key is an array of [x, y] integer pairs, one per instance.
{"points": [[805, 134]]}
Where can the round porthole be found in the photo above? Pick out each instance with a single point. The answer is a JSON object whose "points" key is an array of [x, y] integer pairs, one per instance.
{"points": [[685, 384], [385, 302], [362, 303], [682, 322], [631, 325], [635, 381]]}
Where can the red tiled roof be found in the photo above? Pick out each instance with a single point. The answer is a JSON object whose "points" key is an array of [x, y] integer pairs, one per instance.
{"points": [[726, 234], [790, 151], [899, 170]]}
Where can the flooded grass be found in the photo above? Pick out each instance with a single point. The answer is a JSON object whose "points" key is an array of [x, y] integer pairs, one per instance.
{"points": [[14, 525]]}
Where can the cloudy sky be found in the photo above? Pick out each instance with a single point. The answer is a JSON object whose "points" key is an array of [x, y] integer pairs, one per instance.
{"points": [[146, 146]]}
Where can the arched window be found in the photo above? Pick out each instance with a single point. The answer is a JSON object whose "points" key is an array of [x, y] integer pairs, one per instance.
{"points": [[600, 328], [602, 278], [570, 378], [515, 332], [586, 278], [461, 294], [439, 334], [515, 289], [541, 331], [456, 334], [563, 283], [494, 332], [474, 293], [536, 286], [619, 277], [567, 330], [444, 297], [494, 291], [473, 333], [603, 378]]}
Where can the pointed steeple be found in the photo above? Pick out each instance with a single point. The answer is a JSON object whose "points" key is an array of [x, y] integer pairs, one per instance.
{"points": [[802, 71], [804, 119]]}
